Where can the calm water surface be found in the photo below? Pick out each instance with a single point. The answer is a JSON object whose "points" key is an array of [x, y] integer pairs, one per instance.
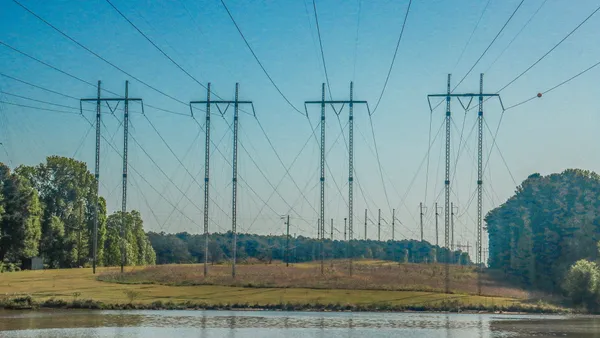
{"points": [[242, 324]]}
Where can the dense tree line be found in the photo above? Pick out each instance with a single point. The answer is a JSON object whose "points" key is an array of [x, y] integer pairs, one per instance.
{"points": [[550, 223], [48, 211], [189, 248]]}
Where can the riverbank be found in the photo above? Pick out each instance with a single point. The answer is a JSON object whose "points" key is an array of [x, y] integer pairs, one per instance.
{"points": [[79, 288]]}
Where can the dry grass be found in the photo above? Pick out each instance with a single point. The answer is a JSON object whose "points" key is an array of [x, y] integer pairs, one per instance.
{"points": [[80, 284], [367, 275]]}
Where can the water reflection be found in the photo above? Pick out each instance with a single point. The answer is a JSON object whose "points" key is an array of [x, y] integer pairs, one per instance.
{"points": [[241, 324]]}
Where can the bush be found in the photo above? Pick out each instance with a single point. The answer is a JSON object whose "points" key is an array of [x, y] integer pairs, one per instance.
{"points": [[9, 267], [582, 283]]}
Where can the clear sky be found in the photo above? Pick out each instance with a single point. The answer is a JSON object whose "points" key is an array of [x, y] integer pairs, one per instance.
{"points": [[546, 135]]}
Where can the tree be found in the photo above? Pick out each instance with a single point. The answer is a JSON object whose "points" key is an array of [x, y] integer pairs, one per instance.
{"points": [[20, 227], [66, 189], [582, 282], [215, 252], [135, 243], [550, 223], [52, 242]]}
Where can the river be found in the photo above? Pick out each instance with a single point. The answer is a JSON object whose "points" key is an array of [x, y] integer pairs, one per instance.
{"points": [[264, 324]]}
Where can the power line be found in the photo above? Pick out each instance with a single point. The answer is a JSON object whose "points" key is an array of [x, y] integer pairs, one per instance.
{"points": [[72, 76], [41, 101], [499, 152], [556, 86], [96, 54], [258, 60], [551, 49], [82, 142], [156, 46], [39, 87], [287, 170], [53, 67], [179, 160], [462, 53], [387, 78], [428, 155], [140, 175], [516, 36], [379, 164], [490, 45], [321, 45], [356, 38], [39, 108]]}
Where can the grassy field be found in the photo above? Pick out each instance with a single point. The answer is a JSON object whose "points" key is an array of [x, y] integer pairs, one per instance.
{"points": [[367, 275], [69, 287]]}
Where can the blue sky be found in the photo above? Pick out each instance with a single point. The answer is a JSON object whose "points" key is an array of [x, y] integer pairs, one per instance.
{"points": [[545, 135]]}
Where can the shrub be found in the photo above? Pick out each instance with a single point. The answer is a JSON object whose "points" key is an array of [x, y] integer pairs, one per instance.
{"points": [[582, 283]]}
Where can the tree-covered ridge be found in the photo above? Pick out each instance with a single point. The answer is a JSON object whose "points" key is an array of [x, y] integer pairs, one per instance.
{"points": [[48, 211], [189, 248], [550, 223]]}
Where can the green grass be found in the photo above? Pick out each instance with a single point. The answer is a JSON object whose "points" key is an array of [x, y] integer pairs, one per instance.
{"points": [[367, 275], [80, 288]]}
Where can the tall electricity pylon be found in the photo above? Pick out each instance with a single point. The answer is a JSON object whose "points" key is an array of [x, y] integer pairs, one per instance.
{"points": [[99, 101], [448, 95], [332, 103], [219, 103]]}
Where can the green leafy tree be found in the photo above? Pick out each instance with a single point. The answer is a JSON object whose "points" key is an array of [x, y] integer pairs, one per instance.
{"points": [[66, 189], [550, 223], [135, 241], [20, 229], [582, 283]]}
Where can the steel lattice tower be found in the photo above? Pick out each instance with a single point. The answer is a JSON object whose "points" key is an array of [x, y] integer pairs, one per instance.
{"points": [[350, 103], [124, 184], [447, 189], [98, 100], [206, 178], [450, 209], [97, 183], [350, 173], [322, 217], [236, 103], [234, 179], [479, 182]]}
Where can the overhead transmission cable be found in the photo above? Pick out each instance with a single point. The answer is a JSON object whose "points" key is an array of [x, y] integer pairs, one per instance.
{"points": [[387, 78], [462, 53], [98, 55], [556, 86], [140, 175], [490, 45], [258, 60], [156, 46], [551, 49], [321, 46], [516, 35], [356, 38], [379, 164], [39, 87]]}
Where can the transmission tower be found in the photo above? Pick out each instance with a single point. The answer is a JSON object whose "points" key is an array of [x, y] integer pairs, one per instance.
{"points": [[236, 105], [447, 211], [332, 103], [99, 101]]}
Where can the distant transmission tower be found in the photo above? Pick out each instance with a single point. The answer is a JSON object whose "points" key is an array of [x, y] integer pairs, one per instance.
{"points": [[99, 101], [219, 103], [323, 103], [448, 95]]}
